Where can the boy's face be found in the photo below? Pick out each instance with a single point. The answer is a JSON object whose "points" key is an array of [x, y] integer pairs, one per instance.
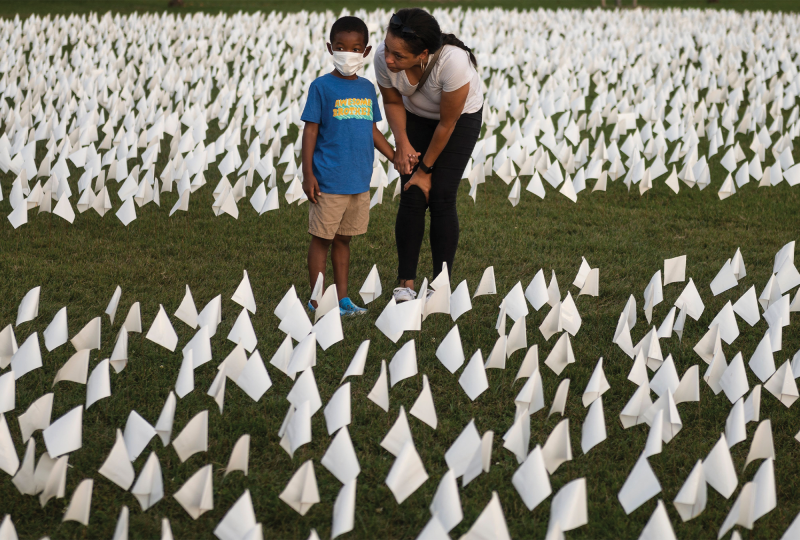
{"points": [[349, 42]]}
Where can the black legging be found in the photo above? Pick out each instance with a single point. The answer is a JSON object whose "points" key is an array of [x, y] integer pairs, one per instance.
{"points": [[447, 172]]}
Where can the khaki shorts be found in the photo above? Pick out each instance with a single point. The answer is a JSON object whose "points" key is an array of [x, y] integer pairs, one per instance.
{"points": [[346, 215]]}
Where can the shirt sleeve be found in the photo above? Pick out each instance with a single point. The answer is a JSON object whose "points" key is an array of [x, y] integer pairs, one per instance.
{"points": [[381, 71], [312, 112], [376, 108], [456, 71]]}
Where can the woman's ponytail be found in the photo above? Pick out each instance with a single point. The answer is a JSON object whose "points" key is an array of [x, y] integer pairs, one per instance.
{"points": [[450, 39]]}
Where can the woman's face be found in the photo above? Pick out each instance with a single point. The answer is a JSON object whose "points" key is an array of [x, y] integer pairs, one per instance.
{"points": [[398, 57]]}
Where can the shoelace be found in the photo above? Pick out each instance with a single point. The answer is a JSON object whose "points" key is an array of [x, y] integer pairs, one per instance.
{"points": [[348, 306], [410, 291]]}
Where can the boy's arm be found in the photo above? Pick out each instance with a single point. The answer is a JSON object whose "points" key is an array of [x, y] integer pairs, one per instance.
{"points": [[396, 116], [381, 144], [310, 184]]}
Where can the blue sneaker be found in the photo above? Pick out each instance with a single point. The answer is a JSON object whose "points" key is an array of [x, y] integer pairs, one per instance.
{"points": [[311, 307], [348, 308]]}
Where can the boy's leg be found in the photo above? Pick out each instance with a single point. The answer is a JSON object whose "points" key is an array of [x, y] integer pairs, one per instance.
{"points": [[354, 222], [317, 260], [340, 257], [324, 219]]}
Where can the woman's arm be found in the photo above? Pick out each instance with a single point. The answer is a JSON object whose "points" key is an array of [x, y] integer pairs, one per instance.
{"points": [[396, 116], [310, 184], [451, 106], [450, 110], [381, 144]]}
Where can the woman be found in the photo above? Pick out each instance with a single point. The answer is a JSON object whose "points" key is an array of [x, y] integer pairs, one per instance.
{"points": [[435, 126]]}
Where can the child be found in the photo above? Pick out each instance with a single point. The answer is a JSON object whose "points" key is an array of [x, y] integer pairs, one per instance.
{"points": [[338, 139]]}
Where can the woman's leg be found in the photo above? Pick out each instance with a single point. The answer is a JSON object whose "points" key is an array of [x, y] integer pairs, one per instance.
{"points": [[410, 224], [447, 174], [444, 220]]}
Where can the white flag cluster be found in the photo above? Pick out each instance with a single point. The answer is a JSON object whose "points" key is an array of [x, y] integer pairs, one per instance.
{"points": [[125, 97], [655, 400], [667, 115]]}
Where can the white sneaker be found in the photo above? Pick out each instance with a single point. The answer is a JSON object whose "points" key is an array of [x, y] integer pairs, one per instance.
{"points": [[428, 294], [404, 294]]}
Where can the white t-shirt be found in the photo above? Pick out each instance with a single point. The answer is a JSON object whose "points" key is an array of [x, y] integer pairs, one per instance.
{"points": [[453, 70]]}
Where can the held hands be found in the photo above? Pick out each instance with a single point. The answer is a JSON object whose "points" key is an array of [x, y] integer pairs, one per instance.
{"points": [[405, 157], [311, 188]]}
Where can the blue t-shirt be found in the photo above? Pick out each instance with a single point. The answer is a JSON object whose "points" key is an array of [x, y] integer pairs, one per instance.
{"points": [[345, 110]]}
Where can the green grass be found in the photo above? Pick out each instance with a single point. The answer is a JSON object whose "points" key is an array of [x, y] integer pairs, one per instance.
{"points": [[625, 235]]}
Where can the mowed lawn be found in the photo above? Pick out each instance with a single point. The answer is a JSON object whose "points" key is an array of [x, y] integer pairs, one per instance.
{"points": [[625, 235]]}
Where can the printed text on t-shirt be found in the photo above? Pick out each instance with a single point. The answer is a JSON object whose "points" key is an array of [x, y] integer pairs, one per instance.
{"points": [[353, 108]]}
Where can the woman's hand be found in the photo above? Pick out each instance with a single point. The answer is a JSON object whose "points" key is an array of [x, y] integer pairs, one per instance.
{"points": [[422, 181], [402, 157]]}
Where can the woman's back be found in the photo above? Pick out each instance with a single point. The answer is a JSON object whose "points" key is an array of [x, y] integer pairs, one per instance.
{"points": [[452, 71]]}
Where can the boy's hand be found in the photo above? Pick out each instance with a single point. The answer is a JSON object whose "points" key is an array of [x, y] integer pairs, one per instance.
{"points": [[402, 161], [311, 188]]}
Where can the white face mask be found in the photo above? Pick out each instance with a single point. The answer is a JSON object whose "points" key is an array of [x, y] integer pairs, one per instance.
{"points": [[348, 63]]}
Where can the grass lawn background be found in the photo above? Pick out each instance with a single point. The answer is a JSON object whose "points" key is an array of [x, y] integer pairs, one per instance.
{"points": [[625, 235]]}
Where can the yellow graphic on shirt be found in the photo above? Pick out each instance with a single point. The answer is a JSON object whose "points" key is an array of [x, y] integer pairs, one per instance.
{"points": [[359, 108]]}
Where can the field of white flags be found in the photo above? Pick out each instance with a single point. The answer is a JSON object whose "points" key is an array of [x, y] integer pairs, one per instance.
{"points": [[659, 404], [110, 114], [612, 356]]}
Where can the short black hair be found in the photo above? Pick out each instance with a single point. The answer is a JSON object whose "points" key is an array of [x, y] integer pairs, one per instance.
{"points": [[350, 24]]}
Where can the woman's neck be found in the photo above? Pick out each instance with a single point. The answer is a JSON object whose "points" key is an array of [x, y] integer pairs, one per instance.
{"points": [[415, 72]]}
